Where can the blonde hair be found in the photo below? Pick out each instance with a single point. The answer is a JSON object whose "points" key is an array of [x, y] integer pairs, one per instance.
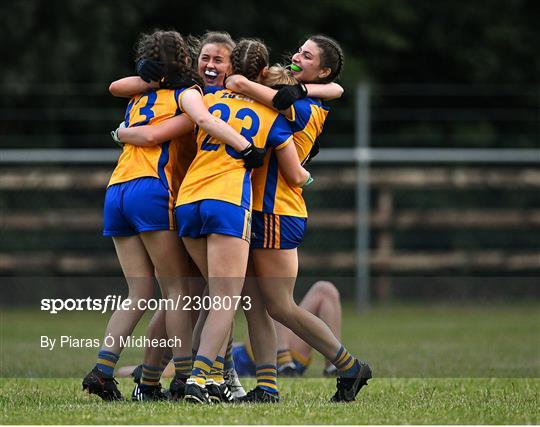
{"points": [[278, 75]]}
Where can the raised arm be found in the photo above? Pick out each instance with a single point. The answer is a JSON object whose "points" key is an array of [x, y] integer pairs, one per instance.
{"points": [[324, 91], [265, 95], [257, 91], [131, 86], [196, 111], [148, 136], [290, 167], [193, 105]]}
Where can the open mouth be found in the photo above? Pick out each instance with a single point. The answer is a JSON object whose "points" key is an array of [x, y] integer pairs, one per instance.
{"points": [[295, 68], [210, 75]]}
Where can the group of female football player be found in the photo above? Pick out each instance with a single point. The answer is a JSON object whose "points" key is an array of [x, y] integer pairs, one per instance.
{"points": [[214, 146]]}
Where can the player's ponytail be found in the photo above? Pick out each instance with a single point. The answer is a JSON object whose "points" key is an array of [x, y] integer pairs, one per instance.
{"points": [[331, 56], [278, 75], [249, 58]]}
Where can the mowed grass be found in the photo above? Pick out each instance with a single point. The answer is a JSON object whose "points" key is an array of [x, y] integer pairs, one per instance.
{"points": [[305, 401], [432, 365]]}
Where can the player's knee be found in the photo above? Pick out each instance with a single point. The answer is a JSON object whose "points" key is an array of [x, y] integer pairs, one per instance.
{"points": [[136, 295], [279, 312], [327, 289]]}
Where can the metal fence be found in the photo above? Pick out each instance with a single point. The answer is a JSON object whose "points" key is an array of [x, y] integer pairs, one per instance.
{"points": [[360, 219]]}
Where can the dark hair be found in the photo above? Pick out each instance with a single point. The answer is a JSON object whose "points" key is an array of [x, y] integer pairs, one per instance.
{"points": [[170, 48], [216, 37], [249, 58], [331, 56]]}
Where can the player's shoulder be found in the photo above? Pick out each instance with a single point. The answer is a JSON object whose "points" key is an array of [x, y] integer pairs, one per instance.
{"points": [[306, 110], [308, 103], [212, 89]]}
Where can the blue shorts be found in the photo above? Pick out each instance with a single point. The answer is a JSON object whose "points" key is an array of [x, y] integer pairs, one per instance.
{"points": [[199, 219], [271, 231], [132, 207]]}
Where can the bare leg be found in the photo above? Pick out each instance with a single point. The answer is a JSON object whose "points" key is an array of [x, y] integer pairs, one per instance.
{"points": [[197, 330], [153, 356], [284, 335], [262, 335], [139, 273], [276, 272], [323, 301], [197, 286], [170, 259], [227, 257], [197, 249]]}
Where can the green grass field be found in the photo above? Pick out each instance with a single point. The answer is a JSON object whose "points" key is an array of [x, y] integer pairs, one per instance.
{"points": [[432, 365], [384, 401]]}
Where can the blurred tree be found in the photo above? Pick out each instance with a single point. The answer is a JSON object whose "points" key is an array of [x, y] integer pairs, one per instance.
{"points": [[396, 41], [393, 41]]}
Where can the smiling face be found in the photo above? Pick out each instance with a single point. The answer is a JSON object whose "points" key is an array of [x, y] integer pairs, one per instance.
{"points": [[214, 62], [308, 58]]}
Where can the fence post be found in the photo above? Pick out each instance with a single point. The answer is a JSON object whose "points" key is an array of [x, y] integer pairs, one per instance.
{"points": [[362, 132]]}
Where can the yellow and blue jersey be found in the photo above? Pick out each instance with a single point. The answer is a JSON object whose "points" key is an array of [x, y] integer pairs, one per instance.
{"points": [[168, 161], [271, 192], [218, 171]]}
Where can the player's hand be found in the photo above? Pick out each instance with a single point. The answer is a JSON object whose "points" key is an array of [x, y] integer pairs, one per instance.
{"points": [[313, 152], [308, 182], [230, 81], [253, 157], [150, 70], [114, 134], [225, 77], [286, 96]]}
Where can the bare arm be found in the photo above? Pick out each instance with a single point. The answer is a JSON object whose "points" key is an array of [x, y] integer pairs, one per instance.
{"points": [[147, 136], [258, 92], [290, 167], [196, 111], [193, 105], [324, 91], [131, 86], [265, 95]]}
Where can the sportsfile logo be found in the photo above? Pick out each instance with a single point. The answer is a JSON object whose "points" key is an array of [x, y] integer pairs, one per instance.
{"points": [[110, 302], [116, 302]]}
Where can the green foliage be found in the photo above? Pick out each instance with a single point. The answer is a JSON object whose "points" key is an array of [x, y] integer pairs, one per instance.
{"points": [[392, 41]]}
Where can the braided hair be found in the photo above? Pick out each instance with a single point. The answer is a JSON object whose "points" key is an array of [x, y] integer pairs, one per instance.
{"points": [[331, 56], [172, 49], [249, 58]]}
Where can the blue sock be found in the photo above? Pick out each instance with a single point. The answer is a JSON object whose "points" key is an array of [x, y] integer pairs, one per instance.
{"points": [[183, 366], [267, 378], [347, 366], [106, 362], [150, 376], [201, 369]]}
